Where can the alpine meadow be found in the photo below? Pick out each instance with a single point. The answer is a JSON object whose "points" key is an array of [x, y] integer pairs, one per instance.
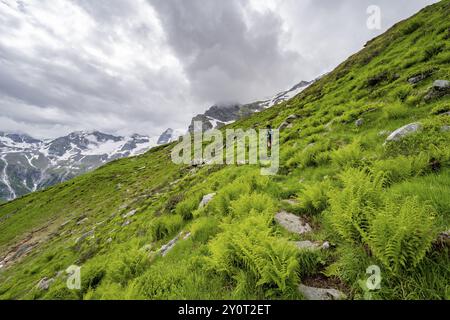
{"points": [[359, 208]]}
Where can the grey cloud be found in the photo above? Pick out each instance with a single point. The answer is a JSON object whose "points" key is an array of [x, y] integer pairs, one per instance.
{"points": [[228, 51], [209, 51]]}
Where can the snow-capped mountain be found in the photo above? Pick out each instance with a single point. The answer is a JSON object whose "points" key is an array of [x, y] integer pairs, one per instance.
{"points": [[28, 164], [170, 135], [223, 114]]}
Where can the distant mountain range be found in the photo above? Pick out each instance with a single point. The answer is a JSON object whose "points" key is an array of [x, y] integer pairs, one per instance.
{"points": [[223, 114], [28, 164]]}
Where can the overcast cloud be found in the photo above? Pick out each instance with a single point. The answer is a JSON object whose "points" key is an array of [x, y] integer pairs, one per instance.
{"points": [[126, 66]]}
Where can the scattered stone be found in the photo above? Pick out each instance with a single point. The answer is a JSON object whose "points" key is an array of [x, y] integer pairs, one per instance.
{"points": [[169, 246], [359, 122], [418, 78], [445, 113], [45, 283], [445, 128], [129, 214], [1, 266], [109, 240], [82, 221], [187, 236], [206, 199], [398, 134], [291, 118], [284, 125], [326, 245], [439, 89], [64, 224], [126, 223], [441, 85], [311, 293], [308, 245], [84, 237], [292, 223]]}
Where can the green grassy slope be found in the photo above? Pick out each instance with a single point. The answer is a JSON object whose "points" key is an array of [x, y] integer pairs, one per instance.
{"points": [[377, 204]]}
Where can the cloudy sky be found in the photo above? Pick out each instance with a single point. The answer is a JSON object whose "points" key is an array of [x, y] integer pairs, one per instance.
{"points": [[125, 66]]}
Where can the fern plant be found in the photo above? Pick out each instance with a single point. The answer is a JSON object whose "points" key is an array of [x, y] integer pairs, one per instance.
{"points": [[352, 207], [270, 263], [314, 198], [401, 234]]}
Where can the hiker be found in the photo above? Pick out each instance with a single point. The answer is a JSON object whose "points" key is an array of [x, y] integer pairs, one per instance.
{"points": [[269, 137]]}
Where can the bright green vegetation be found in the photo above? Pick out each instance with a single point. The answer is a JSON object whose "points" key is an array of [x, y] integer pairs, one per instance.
{"points": [[377, 204]]}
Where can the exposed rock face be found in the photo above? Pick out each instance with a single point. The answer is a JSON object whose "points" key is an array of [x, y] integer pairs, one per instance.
{"points": [[311, 293], [169, 136], [398, 134], [292, 223]]}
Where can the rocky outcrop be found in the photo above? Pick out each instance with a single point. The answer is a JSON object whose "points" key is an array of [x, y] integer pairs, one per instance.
{"points": [[404, 131]]}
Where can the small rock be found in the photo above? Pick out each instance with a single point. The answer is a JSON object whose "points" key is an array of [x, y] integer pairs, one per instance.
{"points": [[169, 246], [311, 293], [326, 245], [206, 199], [308, 245], [1, 266], [129, 214], [82, 221], [291, 118], [445, 128], [417, 79], [65, 224], [398, 134], [45, 283], [445, 113], [441, 85], [292, 223], [84, 237], [109, 240], [284, 125], [359, 122], [126, 223], [187, 236]]}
